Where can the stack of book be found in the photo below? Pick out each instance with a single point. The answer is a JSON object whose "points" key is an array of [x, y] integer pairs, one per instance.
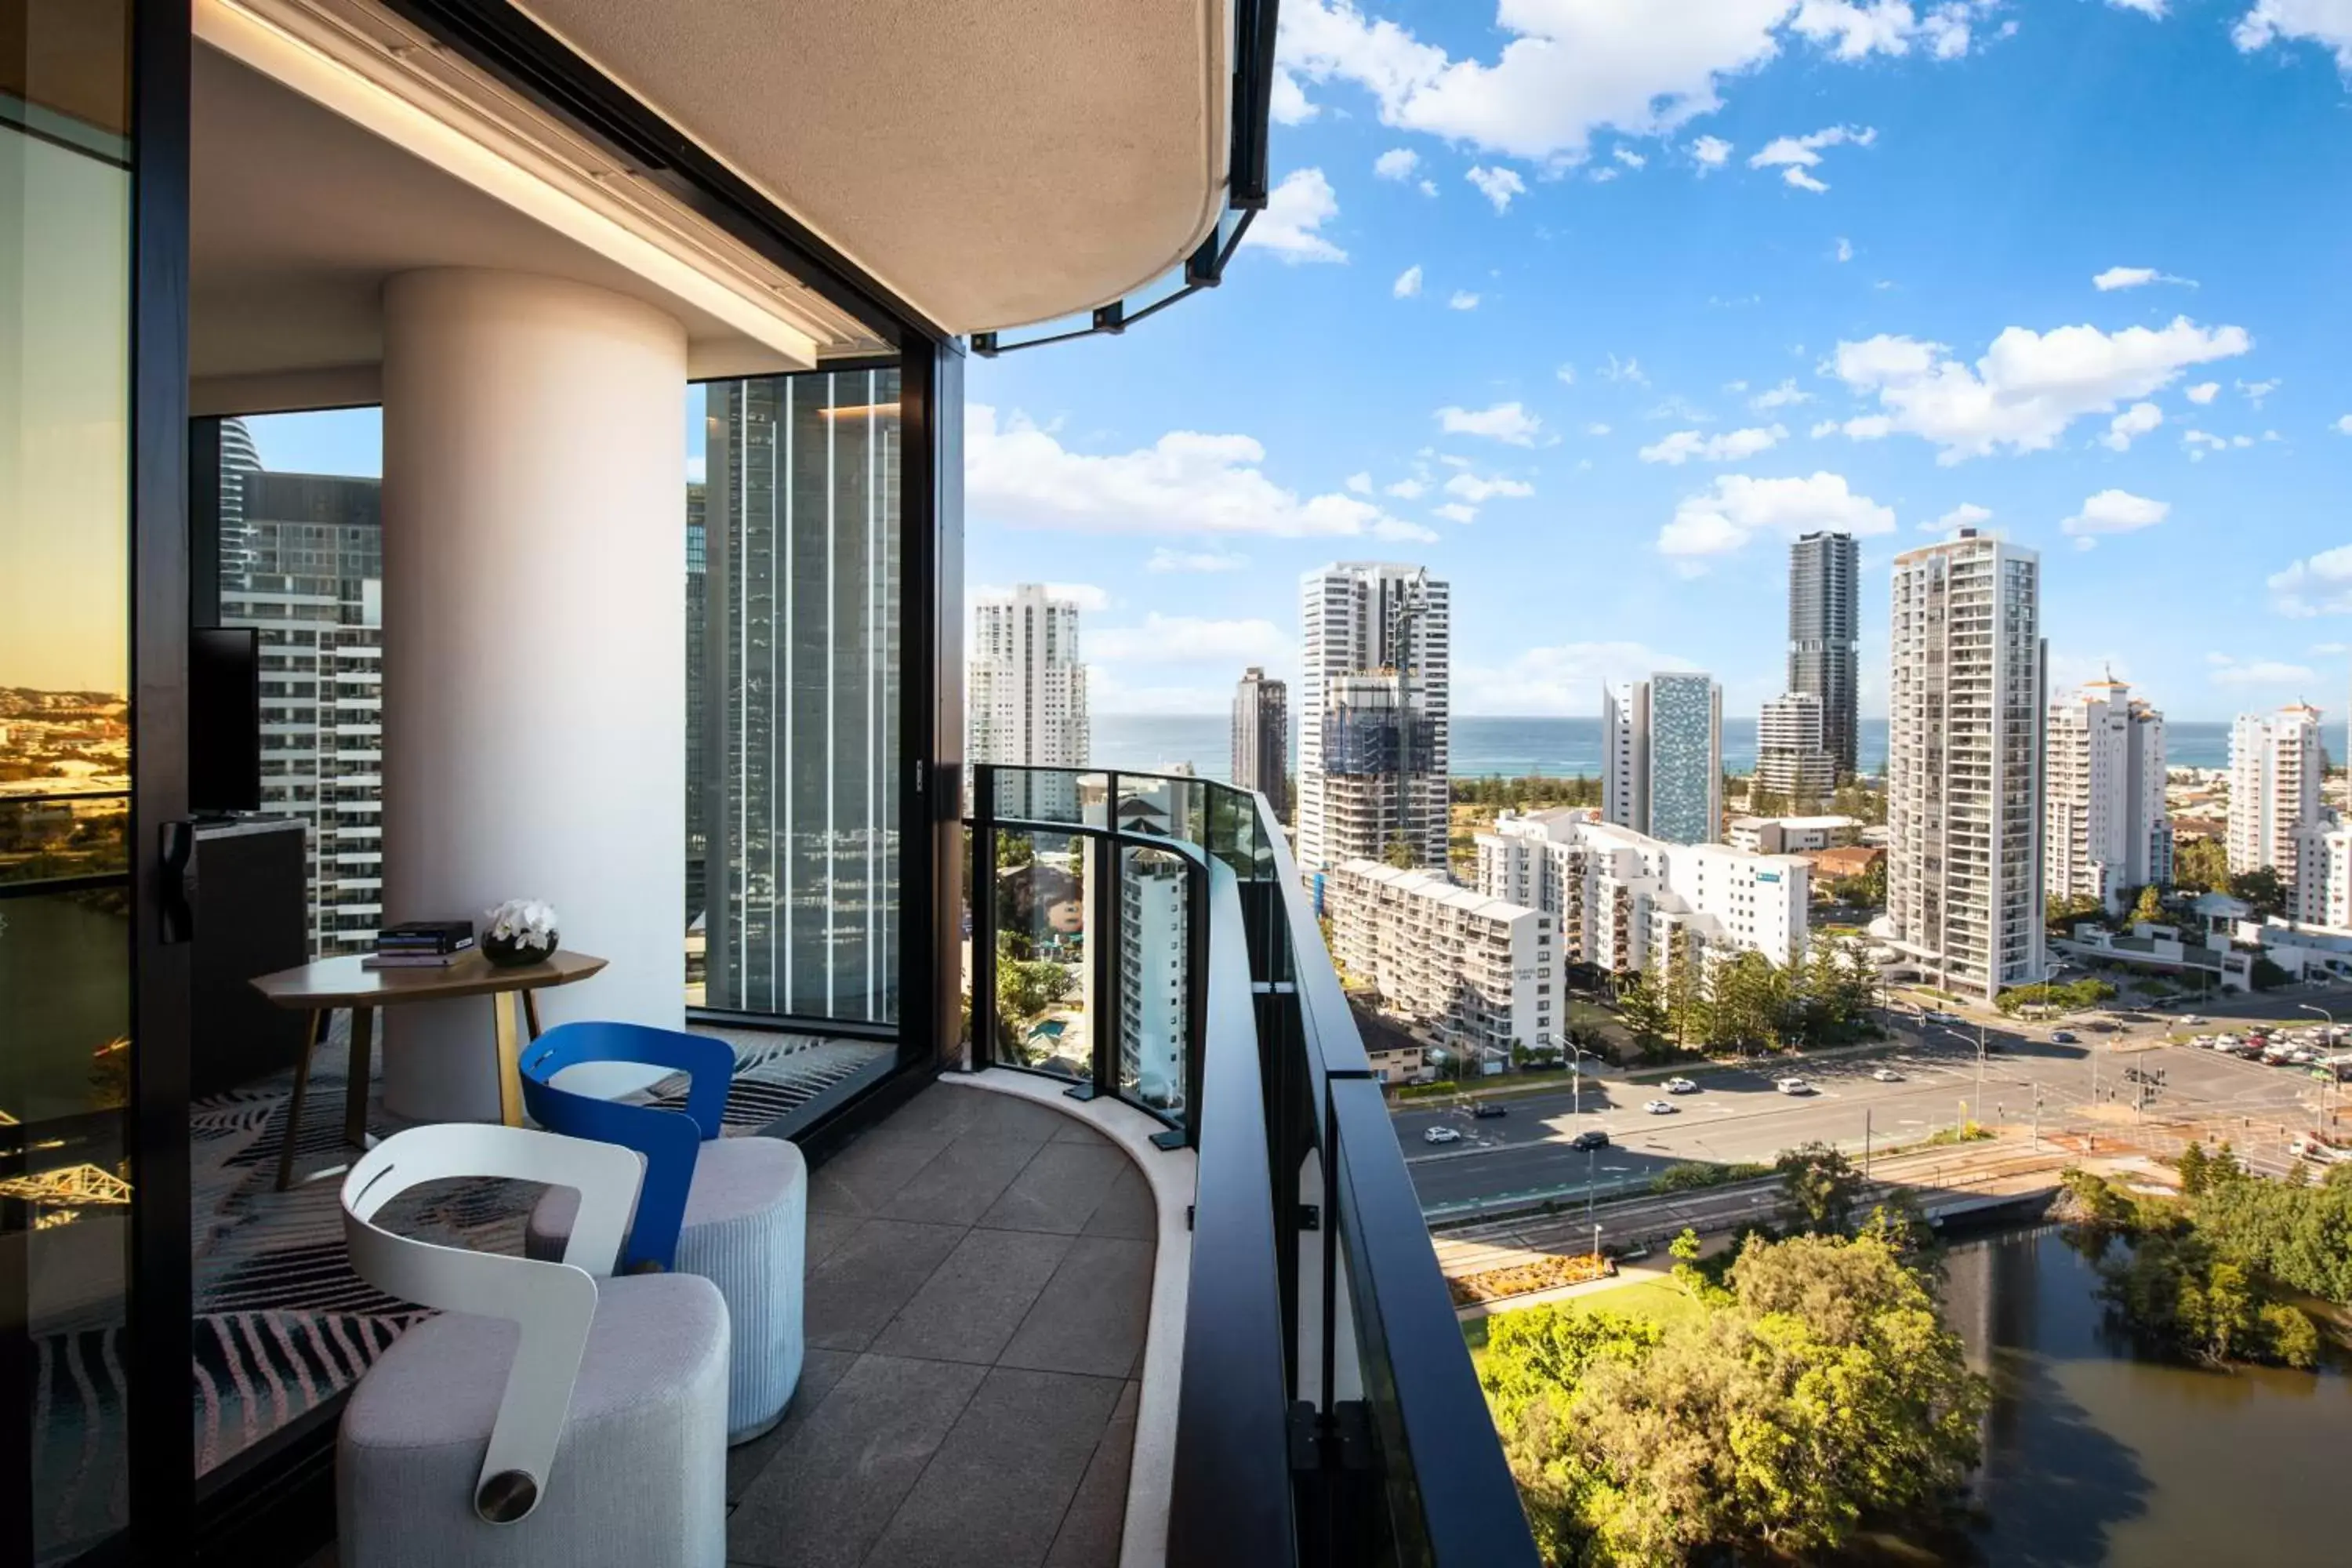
{"points": [[421, 944]]}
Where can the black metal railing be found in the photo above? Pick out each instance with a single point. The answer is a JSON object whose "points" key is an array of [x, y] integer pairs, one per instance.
{"points": [[1328, 1411]]}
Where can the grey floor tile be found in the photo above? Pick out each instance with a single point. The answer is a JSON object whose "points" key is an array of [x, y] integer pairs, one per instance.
{"points": [[944, 1109], [1001, 1482], [961, 1180], [827, 1231], [861, 1178], [840, 1476], [1059, 1190], [1089, 1535], [1012, 1116], [969, 1308], [871, 1274], [1127, 1208], [820, 1370], [1091, 1317], [1074, 1131]]}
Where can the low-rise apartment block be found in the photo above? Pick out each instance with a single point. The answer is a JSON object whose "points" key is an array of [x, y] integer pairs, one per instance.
{"points": [[1623, 899], [1792, 834], [1469, 972]]}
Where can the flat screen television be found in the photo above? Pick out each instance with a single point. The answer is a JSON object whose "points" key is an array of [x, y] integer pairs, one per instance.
{"points": [[224, 720]]}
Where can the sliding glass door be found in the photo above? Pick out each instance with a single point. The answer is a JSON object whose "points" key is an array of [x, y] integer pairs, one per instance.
{"points": [[66, 930]]}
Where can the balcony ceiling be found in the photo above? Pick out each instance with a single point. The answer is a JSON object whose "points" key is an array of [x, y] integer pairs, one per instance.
{"points": [[994, 163]]}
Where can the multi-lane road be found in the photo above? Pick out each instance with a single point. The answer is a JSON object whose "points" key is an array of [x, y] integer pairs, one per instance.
{"points": [[1737, 1115]]}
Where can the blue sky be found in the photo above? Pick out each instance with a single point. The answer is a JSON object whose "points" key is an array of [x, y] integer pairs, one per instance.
{"points": [[1874, 307], [1691, 276]]}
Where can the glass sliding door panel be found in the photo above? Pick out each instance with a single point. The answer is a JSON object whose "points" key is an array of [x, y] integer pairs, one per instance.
{"points": [[66, 1182], [794, 767]]}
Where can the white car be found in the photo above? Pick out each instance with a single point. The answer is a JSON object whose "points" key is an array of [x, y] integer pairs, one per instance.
{"points": [[1792, 1086], [1660, 1107], [1442, 1135], [1681, 1086], [1887, 1075], [2192, 1018], [1941, 1017]]}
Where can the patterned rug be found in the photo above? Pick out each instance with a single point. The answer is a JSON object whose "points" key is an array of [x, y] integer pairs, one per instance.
{"points": [[281, 1324]]}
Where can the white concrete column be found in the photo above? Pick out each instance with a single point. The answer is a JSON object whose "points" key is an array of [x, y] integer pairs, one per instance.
{"points": [[534, 680]]}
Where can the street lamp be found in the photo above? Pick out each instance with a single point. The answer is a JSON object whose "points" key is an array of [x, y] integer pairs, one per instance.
{"points": [[1977, 1115], [2327, 1093]]}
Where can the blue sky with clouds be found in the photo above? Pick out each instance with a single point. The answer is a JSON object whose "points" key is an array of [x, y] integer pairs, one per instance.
{"points": [[1591, 304]]}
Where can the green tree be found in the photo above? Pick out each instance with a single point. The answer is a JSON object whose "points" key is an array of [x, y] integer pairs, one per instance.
{"points": [[1642, 1007], [1399, 853], [1819, 1189], [2263, 888], [2064, 913], [2193, 1166], [2201, 865], [1014, 850], [2150, 908]]}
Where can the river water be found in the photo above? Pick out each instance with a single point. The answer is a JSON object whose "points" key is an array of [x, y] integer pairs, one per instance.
{"points": [[2094, 1456]]}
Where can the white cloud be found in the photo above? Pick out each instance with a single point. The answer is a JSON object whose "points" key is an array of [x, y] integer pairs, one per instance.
{"points": [[1968, 514], [1736, 508], [1793, 155], [1454, 511], [2113, 511], [1624, 370], [1188, 639], [2223, 671], [2027, 388], [1462, 300], [1428, 187], [2138, 420], [1408, 283], [1844, 249], [2330, 649], [2203, 392], [1631, 158], [1408, 490], [1824, 427], [1361, 484], [2255, 391], [1596, 430], [1503, 422], [1187, 484], [1728, 447], [1784, 396], [1090, 598], [1295, 210], [2317, 585], [1289, 106], [1711, 152], [2145, 7], [2115, 277], [1498, 185], [2328, 23], [2344, 425], [1566, 373], [1477, 491], [1396, 163], [1166, 559], [1853, 29], [1567, 679]]}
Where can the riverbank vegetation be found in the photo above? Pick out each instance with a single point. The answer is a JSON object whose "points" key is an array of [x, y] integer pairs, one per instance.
{"points": [[1815, 1393], [2212, 1275]]}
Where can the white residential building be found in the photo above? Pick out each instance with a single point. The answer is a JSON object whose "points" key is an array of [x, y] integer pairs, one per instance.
{"points": [[1662, 770], [1028, 702], [1623, 899], [1792, 760], [1792, 834], [1374, 681], [2103, 823], [2323, 893], [1964, 884], [1474, 974], [2275, 767], [1152, 957]]}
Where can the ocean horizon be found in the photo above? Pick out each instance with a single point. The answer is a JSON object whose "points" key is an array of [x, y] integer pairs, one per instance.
{"points": [[1544, 747]]}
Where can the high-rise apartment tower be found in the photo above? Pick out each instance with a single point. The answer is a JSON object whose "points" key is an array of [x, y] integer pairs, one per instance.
{"points": [[1662, 767], [1028, 703], [1376, 672], [1262, 739], [2275, 762], [1824, 637], [1792, 760], [1965, 703], [2103, 823]]}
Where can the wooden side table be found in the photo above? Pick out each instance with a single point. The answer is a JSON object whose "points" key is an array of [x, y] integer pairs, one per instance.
{"points": [[319, 988]]}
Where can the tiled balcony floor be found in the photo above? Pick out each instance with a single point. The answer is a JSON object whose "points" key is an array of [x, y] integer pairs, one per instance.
{"points": [[980, 1279]]}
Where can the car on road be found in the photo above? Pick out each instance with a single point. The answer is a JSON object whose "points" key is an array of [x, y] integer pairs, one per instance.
{"points": [[1591, 1138], [1681, 1086], [1792, 1086], [1887, 1075], [1660, 1107], [2062, 1036], [1442, 1135], [1488, 1107], [1934, 1018], [2192, 1018]]}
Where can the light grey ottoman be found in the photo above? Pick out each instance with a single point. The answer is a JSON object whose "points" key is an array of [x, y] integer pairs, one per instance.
{"points": [[640, 1471], [746, 1230]]}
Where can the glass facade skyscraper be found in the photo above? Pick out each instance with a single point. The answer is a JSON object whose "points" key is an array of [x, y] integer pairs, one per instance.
{"points": [[1685, 742], [798, 684], [1824, 637]]}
